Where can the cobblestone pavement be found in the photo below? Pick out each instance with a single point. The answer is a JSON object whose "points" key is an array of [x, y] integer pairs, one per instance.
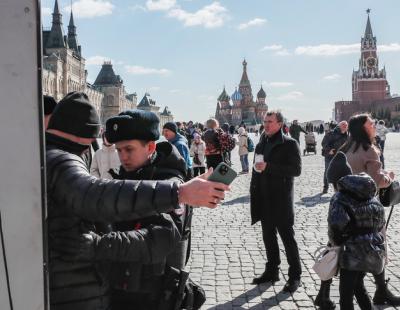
{"points": [[227, 252]]}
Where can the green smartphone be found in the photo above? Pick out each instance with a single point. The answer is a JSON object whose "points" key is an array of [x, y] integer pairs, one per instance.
{"points": [[223, 174]]}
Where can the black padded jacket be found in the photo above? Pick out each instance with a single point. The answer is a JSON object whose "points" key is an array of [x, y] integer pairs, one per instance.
{"points": [[355, 221], [76, 201]]}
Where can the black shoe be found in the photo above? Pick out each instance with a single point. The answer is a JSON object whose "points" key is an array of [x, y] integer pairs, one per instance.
{"points": [[323, 303], [323, 300], [291, 286], [384, 296], [325, 191], [267, 276]]}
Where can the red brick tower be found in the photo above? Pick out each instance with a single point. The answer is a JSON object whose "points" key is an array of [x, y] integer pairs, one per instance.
{"points": [[369, 82], [245, 86]]}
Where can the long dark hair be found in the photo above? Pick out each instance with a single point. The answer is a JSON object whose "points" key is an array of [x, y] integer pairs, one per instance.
{"points": [[357, 134]]}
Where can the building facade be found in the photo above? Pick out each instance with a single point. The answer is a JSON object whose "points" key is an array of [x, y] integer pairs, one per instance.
{"points": [[241, 106], [370, 88], [64, 71]]}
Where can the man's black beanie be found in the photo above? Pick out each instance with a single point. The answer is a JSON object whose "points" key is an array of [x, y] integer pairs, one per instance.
{"points": [[171, 126], [133, 125], [49, 104], [75, 115], [338, 168]]}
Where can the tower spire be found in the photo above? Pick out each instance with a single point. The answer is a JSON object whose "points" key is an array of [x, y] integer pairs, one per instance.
{"points": [[56, 37], [368, 29], [72, 36], [244, 80]]}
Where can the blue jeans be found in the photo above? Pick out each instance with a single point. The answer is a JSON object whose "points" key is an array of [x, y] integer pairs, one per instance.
{"points": [[244, 160]]}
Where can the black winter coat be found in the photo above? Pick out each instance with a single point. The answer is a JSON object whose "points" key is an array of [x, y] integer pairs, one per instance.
{"points": [[143, 276], [75, 201], [333, 141], [271, 192], [355, 220]]}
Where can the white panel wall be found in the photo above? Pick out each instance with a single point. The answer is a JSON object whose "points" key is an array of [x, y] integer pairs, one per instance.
{"points": [[21, 156]]}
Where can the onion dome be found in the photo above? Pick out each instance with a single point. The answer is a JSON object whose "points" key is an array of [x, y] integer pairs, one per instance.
{"points": [[236, 96], [261, 93], [224, 96]]}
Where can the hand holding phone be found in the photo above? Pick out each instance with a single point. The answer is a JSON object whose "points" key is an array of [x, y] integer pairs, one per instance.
{"points": [[223, 174]]}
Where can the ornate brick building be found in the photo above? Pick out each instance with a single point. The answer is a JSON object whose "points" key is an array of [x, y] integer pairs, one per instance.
{"points": [[243, 108], [64, 71], [370, 88]]}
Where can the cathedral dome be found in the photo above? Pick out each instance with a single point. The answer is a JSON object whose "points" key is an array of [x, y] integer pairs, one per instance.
{"points": [[236, 96], [261, 93], [224, 96]]}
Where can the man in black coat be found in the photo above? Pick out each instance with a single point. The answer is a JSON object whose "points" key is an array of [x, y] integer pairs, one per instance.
{"points": [[331, 143], [271, 193], [76, 201]]}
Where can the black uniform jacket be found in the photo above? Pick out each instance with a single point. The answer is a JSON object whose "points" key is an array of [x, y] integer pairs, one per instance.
{"points": [[166, 164]]}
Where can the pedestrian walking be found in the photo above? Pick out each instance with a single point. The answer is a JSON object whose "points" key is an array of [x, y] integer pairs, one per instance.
{"points": [[355, 220], [271, 199], [295, 130], [331, 143], [243, 149], [363, 156], [198, 152]]}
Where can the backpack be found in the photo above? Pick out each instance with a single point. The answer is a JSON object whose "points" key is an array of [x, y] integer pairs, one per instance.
{"points": [[250, 145], [226, 141]]}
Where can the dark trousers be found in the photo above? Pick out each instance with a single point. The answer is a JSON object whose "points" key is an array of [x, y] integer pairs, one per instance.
{"points": [[327, 162], [352, 284], [286, 233], [198, 170]]}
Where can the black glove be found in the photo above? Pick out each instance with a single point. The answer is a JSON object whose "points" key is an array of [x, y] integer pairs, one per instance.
{"points": [[76, 248]]}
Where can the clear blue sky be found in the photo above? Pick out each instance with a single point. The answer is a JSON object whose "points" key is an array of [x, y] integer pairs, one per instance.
{"points": [[183, 51]]}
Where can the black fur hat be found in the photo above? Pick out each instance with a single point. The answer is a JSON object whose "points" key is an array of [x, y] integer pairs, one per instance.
{"points": [[133, 125]]}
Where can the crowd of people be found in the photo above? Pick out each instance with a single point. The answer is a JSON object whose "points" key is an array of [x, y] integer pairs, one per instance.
{"points": [[119, 221]]}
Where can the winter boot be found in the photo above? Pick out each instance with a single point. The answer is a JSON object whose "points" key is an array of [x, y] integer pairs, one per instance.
{"points": [[382, 294], [323, 300], [269, 275]]}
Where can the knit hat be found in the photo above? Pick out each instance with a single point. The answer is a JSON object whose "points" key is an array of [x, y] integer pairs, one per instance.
{"points": [[241, 130], [338, 168], [171, 126], [75, 115], [49, 104], [133, 125]]}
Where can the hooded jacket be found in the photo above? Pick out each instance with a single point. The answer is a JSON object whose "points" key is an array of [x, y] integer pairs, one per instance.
{"points": [[355, 220], [181, 143]]}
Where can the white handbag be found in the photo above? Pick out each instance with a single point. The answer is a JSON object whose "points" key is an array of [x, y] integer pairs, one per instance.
{"points": [[326, 262]]}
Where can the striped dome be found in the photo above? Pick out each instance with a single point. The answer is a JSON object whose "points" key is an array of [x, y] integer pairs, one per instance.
{"points": [[236, 96]]}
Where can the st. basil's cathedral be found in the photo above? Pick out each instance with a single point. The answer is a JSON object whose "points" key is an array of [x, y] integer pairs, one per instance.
{"points": [[241, 107]]}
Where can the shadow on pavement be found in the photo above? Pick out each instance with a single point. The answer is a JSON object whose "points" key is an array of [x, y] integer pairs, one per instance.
{"points": [[312, 201], [242, 301], [242, 199]]}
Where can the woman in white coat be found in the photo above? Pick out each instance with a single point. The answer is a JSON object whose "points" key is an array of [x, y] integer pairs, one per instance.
{"points": [[243, 150], [198, 151]]}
